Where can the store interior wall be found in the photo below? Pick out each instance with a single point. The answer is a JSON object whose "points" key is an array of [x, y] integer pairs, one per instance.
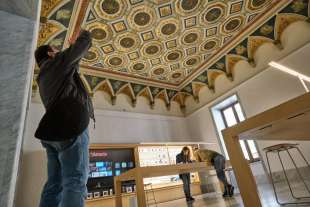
{"points": [[258, 94], [111, 127], [263, 91]]}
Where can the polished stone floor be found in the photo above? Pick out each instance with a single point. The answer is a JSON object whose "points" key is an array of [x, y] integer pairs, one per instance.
{"points": [[266, 194]]}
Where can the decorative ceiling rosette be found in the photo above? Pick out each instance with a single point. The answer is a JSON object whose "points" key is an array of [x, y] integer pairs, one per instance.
{"points": [[127, 42], [160, 71], [213, 13], [168, 28], [186, 7], [110, 9], [139, 66], [253, 5], [91, 56], [141, 18], [176, 76], [100, 32], [192, 37], [210, 45], [152, 49], [233, 24], [116, 61], [192, 61], [174, 55]]}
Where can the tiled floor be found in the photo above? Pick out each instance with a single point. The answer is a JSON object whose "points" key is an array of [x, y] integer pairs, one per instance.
{"points": [[216, 200]]}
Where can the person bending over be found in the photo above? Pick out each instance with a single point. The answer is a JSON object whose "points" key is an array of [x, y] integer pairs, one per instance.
{"points": [[218, 161], [184, 157], [67, 159]]}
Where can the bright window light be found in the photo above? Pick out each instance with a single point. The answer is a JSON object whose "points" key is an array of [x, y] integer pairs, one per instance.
{"points": [[292, 72]]}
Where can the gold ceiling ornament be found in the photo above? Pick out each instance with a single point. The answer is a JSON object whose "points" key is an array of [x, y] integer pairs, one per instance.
{"points": [[210, 44], [159, 1], [48, 30], [48, 6], [168, 28], [213, 13], [160, 70], [179, 34], [116, 61], [139, 66], [192, 61], [91, 56], [256, 4], [233, 24], [141, 17], [177, 75], [186, 7], [100, 32], [174, 55], [127, 42], [192, 37], [110, 9], [152, 49]]}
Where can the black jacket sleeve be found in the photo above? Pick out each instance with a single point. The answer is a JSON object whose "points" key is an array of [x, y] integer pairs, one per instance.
{"points": [[77, 50], [179, 158]]}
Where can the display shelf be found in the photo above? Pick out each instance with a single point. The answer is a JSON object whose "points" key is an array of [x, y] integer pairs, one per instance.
{"points": [[161, 155], [109, 197]]}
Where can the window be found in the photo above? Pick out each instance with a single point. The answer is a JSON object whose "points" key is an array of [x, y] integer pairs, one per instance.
{"points": [[226, 114], [232, 114]]}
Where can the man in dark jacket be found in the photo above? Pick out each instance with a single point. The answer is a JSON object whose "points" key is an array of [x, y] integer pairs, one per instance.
{"points": [[184, 157], [67, 160]]}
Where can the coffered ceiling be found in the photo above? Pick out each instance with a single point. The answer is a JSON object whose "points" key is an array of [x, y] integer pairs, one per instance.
{"points": [[162, 41], [145, 47]]}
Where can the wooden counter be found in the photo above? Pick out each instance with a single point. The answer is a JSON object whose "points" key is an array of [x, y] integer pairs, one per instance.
{"points": [[288, 121], [139, 173], [162, 194]]}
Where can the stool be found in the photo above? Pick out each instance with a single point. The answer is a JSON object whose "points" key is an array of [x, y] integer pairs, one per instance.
{"points": [[149, 186], [280, 148]]}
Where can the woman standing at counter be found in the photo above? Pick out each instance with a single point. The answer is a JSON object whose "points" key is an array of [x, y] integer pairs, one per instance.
{"points": [[184, 157]]}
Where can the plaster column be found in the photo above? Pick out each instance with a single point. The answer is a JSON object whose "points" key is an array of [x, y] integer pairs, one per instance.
{"points": [[18, 34]]}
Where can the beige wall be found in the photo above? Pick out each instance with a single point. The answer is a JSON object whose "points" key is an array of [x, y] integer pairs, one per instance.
{"points": [[265, 90]]}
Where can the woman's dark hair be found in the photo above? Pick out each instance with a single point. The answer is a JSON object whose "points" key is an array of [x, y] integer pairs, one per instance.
{"points": [[186, 149], [41, 53]]}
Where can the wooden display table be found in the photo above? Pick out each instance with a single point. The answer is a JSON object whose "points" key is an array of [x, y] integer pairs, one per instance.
{"points": [[139, 173], [288, 121]]}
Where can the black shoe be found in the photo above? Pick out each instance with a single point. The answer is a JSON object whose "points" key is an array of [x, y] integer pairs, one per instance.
{"points": [[225, 194], [190, 199], [231, 190]]}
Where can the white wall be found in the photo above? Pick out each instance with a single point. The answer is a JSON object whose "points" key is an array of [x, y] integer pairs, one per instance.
{"points": [[118, 127], [264, 91]]}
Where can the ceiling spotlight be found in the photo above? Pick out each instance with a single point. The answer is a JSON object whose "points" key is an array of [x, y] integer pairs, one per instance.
{"points": [[289, 71]]}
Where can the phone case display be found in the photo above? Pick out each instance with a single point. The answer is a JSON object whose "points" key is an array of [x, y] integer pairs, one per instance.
{"points": [[160, 155]]}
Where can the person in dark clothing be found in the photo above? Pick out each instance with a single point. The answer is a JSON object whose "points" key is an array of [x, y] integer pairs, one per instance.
{"points": [[217, 160], [67, 161], [184, 157]]}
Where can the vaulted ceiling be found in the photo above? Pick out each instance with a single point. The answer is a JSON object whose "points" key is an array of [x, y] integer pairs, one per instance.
{"points": [[166, 49]]}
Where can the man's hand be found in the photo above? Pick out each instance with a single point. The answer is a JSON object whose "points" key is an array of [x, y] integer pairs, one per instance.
{"points": [[73, 38]]}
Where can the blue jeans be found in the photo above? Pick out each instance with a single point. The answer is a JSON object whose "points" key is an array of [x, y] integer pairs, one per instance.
{"points": [[219, 165], [186, 179], [67, 166]]}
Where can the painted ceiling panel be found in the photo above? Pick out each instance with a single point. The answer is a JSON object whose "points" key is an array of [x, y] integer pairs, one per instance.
{"points": [[165, 47]]}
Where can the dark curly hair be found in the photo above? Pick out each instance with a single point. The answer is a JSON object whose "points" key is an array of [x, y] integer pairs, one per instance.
{"points": [[41, 53]]}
